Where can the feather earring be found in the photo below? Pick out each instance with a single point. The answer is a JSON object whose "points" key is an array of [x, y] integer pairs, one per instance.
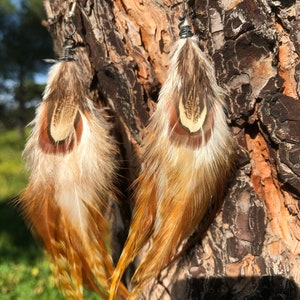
{"points": [[71, 157], [187, 157]]}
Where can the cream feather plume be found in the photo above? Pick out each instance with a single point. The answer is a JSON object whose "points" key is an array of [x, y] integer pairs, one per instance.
{"points": [[72, 160], [187, 157]]}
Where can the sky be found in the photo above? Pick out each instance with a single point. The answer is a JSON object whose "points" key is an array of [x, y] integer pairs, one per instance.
{"points": [[40, 78]]}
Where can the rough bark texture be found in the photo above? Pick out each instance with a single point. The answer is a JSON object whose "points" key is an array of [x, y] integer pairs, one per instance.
{"points": [[252, 248]]}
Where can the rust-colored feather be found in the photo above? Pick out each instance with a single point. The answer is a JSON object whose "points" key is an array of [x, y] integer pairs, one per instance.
{"points": [[187, 157], [71, 158]]}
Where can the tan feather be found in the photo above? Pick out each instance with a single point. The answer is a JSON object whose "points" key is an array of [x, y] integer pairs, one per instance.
{"points": [[187, 158], [72, 160]]}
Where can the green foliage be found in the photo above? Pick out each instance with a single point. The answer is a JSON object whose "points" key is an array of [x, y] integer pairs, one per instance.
{"points": [[12, 177], [6, 10]]}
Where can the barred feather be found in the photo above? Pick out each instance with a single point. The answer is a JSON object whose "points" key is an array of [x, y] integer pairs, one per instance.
{"points": [[187, 157], [71, 158]]}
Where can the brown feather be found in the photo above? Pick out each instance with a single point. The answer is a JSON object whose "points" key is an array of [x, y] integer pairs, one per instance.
{"points": [[187, 158], [61, 123], [71, 157]]}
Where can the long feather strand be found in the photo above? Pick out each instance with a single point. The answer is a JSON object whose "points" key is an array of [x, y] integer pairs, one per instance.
{"points": [[187, 156], [71, 157]]}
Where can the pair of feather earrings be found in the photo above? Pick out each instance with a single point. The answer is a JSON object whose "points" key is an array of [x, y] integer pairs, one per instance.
{"points": [[186, 160]]}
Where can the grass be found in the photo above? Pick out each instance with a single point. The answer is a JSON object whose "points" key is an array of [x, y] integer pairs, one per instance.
{"points": [[12, 177], [24, 270]]}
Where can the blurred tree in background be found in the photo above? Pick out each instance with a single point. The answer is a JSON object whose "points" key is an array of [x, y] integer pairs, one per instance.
{"points": [[24, 43]]}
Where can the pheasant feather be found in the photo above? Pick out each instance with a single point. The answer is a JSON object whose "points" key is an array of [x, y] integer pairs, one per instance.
{"points": [[187, 156], [71, 158]]}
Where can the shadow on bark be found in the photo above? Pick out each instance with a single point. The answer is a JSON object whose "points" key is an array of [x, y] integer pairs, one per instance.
{"points": [[229, 288]]}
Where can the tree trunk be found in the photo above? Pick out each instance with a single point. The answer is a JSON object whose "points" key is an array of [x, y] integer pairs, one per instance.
{"points": [[252, 248]]}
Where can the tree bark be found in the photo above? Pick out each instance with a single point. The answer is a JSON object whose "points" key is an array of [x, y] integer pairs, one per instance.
{"points": [[252, 248]]}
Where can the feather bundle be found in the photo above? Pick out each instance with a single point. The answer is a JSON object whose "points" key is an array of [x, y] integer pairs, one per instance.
{"points": [[187, 157], [71, 158]]}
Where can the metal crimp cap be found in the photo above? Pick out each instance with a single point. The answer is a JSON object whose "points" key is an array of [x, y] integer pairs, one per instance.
{"points": [[185, 28]]}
